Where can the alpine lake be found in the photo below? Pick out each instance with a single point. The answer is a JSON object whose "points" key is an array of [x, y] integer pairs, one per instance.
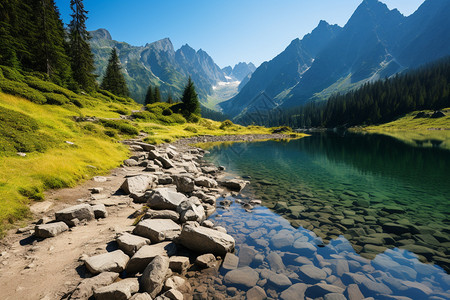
{"points": [[342, 216]]}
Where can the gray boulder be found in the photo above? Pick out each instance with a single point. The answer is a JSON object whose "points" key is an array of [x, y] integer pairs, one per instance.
{"points": [[143, 296], [130, 243], [162, 214], [179, 264], [243, 277], [108, 262], [334, 296], [191, 212], [279, 281], [256, 293], [321, 289], [164, 198], [130, 162], [184, 183], [87, 286], [166, 162], [145, 146], [121, 290], [50, 229], [137, 184], [205, 182], [295, 292], [80, 212], [234, 184], [100, 211], [311, 274], [154, 276], [206, 261], [275, 262], [157, 230], [147, 253], [206, 240], [230, 262]]}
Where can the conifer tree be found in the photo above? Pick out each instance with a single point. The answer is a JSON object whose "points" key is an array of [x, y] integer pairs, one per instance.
{"points": [[157, 95], [191, 104], [150, 96], [114, 80], [81, 56], [170, 98]]}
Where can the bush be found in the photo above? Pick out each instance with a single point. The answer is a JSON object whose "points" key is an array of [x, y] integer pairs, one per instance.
{"points": [[11, 74], [122, 111], [281, 129], [167, 112], [226, 124], [48, 87], [191, 129], [34, 193], [156, 116], [22, 90], [193, 118], [110, 133], [56, 99], [123, 126]]}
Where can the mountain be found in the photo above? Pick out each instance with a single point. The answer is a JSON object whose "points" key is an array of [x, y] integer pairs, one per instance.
{"points": [[281, 73], [240, 71], [375, 43], [158, 63]]}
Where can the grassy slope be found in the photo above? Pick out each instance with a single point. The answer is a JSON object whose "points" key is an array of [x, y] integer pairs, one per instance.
{"points": [[417, 131], [43, 129]]}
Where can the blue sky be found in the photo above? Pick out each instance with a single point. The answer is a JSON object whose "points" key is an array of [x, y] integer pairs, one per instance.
{"points": [[230, 31]]}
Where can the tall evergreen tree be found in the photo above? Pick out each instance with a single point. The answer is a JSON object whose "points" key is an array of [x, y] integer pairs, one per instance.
{"points": [[170, 98], [114, 81], [157, 94], [191, 104], [149, 97], [80, 52]]}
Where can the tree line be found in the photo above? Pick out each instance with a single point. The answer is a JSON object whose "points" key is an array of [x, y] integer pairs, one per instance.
{"points": [[33, 39], [426, 88]]}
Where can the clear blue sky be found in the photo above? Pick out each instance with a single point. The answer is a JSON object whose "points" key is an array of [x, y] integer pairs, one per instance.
{"points": [[230, 31]]}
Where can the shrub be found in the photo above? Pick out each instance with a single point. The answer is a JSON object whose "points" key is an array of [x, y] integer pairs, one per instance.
{"points": [[111, 133], [123, 126], [22, 90], [226, 124], [122, 111], [11, 73], [53, 182], [56, 99], [48, 87], [191, 129], [34, 193], [281, 129], [167, 112], [193, 118]]}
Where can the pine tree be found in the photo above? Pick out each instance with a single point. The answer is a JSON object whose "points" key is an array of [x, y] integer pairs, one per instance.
{"points": [[157, 96], [191, 104], [80, 52], [114, 81], [170, 98], [149, 97]]}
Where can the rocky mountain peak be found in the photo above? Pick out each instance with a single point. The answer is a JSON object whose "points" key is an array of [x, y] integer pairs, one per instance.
{"points": [[101, 34]]}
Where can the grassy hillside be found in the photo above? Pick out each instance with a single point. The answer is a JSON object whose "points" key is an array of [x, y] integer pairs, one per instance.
{"points": [[425, 132], [65, 136]]}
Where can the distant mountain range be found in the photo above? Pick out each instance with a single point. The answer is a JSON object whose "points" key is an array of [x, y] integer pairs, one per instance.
{"points": [[375, 43], [159, 64]]}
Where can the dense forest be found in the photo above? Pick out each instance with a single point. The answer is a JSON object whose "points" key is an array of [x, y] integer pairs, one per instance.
{"points": [[378, 102]]}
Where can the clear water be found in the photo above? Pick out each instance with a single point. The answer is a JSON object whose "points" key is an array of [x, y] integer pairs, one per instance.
{"points": [[371, 204]]}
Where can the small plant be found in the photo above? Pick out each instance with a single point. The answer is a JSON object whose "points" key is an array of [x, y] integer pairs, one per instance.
{"points": [[191, 129], [56, 99], [123, 126], [111, 133], [226, 124], [22, 90]]}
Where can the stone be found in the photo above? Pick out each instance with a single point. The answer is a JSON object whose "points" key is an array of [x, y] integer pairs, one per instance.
{"points": [[246, 256], [279, 281], [417, 289], [295, 292], [108, 262], [334, 296], [173, 294], [121, 290], [369, 287], [422, 250], [162, 214], [143, 296], [305, 248], [130, 243], [136, 184], [395, 228], [353, 293], [96, 190], [208, 224], [275, 262], [164, 198], [157, 230], [100, 211], [130, 162], [393, 209], [206, 240], [147, 253], [191, 212], [246, 277], [282, 239], [50, 229], [234, 184], [311, 274], [206, 261], [256, 293], [87, 286], [179, 264], [184, 183], [154, 276], [230, 262], [178, 283], [205, 182], [145, 146], [80, 212], [166, 162], [321, 289]]}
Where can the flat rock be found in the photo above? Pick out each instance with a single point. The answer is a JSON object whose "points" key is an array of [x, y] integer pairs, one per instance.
{"points": [[245, 276], [100, 211], [165, 198], [178, 283], [417, 289], [157, 230], [137, 184], [206, 261], [234, 184], [154, 276], [190, 211], [282, 239], [162, 214], [275, 262], [87, 286], [256, 293], [205, 182], [353, 292], [184, 183], [295, 292], [80, 212], [50, 229], [130, 243], [121, 290], [179, 264], [334, 296], [311, 274], [141, 296], [108, 262], [145, 146], [173, 294], [395, 228], [246, 256], [147, 253], [130, 162], [230, 262], [166, 162], [321, 289], [206, 240], [305, 248], [279, 281]]}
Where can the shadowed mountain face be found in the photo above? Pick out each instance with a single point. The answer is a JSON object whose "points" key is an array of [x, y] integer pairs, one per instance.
{"points": [[159, 64], [375, 43]]}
